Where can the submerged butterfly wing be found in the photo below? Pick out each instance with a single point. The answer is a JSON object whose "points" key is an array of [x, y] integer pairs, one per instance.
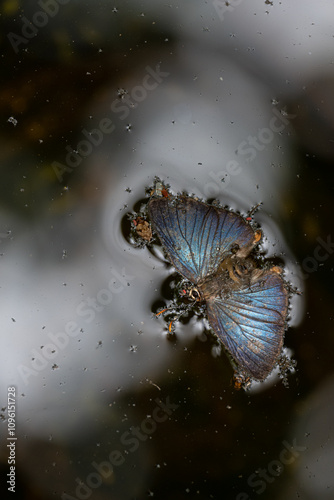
{"points": [[250, 322], [197, 236]]}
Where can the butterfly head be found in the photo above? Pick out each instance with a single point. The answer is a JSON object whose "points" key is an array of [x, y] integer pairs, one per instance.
{"points": [[195, 294], [191, 292]]}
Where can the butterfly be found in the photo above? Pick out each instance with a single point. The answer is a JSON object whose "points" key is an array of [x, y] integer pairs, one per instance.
{"points": [[246, 303]]}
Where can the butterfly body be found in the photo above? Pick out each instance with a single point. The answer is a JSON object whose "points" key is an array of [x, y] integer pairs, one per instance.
{"points": [[246, 304]]}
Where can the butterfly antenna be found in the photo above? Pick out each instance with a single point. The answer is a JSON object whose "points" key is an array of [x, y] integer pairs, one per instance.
{"points": [[170, 324], [162, 311], [177, 316]]}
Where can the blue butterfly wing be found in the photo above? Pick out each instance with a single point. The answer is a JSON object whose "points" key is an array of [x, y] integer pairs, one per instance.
{"points": [[197, 236], [250, 322]]}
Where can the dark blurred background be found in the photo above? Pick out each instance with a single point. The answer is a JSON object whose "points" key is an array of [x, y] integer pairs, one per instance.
{"points": [[232, 101]]}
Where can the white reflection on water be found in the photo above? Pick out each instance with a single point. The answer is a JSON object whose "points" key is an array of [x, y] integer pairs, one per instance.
{"points": [[187, 132]]}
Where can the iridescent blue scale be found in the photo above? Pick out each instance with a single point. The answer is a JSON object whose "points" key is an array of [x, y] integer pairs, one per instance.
{"points": [[247, 305]]}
